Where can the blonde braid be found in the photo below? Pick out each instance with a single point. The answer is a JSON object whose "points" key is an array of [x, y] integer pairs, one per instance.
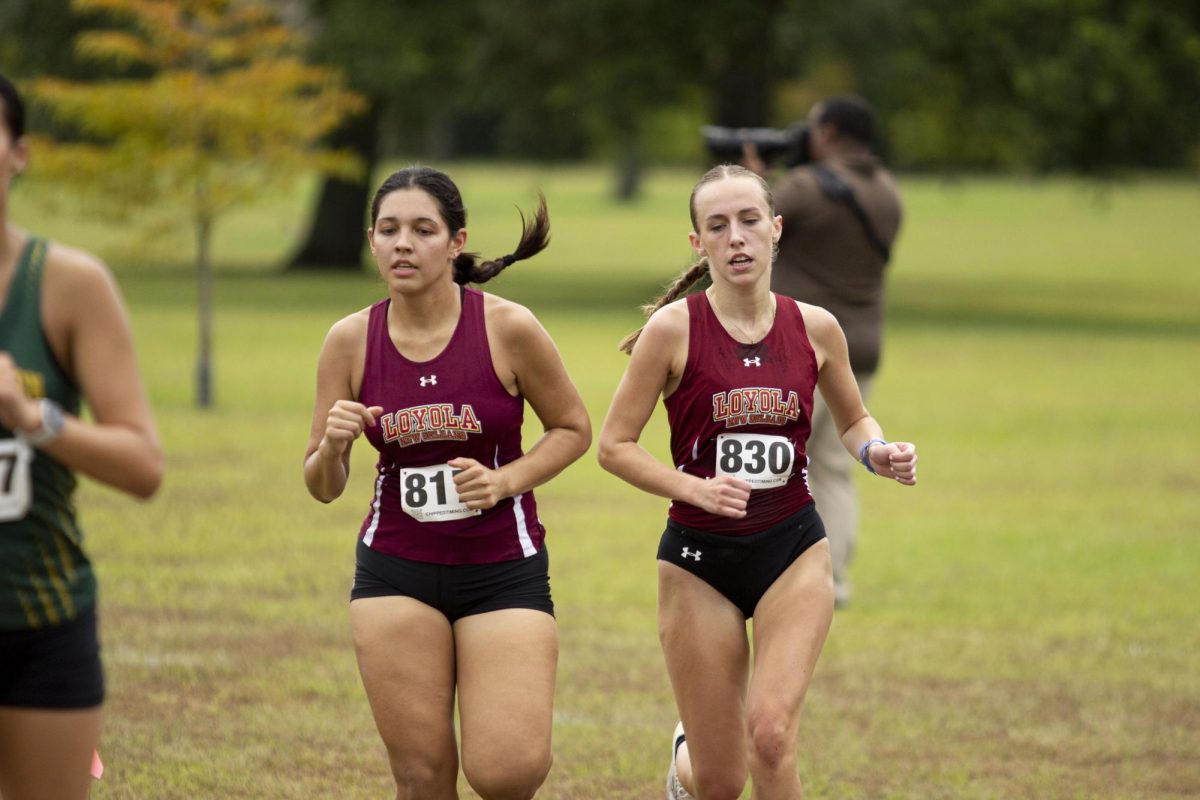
{"points": [[676, 290]]}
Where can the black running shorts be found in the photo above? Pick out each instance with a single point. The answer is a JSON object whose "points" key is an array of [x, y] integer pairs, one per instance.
{"points": [[456, 590], [55, 668], [742, 568]]}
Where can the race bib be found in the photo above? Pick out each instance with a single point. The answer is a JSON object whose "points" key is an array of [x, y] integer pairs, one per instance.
{"points": [[428, 494], [16, 491], [760, 460]]}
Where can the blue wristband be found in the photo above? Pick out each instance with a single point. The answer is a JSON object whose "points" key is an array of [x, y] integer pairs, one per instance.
{"points": [[862, 454]]}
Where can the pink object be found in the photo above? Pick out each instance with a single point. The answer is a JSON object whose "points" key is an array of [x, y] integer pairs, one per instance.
{"points": [[97, 765]]}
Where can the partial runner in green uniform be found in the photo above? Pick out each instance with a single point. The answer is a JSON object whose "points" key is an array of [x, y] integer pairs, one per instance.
{"points": [[64, 341]]}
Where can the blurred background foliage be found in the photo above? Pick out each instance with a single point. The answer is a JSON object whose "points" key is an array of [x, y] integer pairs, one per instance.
{"points": [[1081, 85], [1092, 87], [1039, 332]]}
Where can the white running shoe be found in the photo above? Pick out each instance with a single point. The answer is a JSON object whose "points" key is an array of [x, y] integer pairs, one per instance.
{"points": [[675, 790]]}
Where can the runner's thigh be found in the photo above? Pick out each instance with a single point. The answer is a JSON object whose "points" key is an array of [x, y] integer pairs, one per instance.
{"points": [[47, 754], [704, 642], [791, 622], [506, 666], [406, 658]]}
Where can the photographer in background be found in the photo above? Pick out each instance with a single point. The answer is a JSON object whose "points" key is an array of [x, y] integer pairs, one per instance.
{"points": [[841, 214]]}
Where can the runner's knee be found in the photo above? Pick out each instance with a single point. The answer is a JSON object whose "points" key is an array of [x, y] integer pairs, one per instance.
{"points": [[724, 784], [771, 742], [421, 775], [515, 776]]}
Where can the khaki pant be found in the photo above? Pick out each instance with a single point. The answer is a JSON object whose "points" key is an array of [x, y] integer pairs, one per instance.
{"points": [[831, 481]]}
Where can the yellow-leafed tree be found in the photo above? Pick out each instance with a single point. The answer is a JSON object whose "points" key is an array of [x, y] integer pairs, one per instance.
{"points": [[222, 106]]}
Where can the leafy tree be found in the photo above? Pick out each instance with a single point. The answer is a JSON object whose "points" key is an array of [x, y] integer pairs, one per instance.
{"points": [[32, 33], [530, 79], [1080, 85], [407, 58], [751, 59], [590, 67], [227, 110], [611, 64]]}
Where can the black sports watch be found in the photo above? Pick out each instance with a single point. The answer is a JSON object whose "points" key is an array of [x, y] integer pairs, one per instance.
{"points": [[51, 427]]}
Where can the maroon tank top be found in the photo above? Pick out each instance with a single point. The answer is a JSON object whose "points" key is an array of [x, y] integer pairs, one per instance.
{"points": [[434, 411], [744, 410]]}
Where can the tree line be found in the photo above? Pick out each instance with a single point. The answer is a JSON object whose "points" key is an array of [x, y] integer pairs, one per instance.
{"points": [[1085, 86], [209, 101]]}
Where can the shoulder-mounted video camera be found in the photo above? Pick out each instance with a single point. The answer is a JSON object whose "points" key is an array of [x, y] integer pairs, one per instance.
{"points": [[789, 146]]}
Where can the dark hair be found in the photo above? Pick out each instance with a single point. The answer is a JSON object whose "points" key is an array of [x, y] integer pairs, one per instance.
{"points": [[14, 109], [851, 115], [699, 268], [535, 232]]}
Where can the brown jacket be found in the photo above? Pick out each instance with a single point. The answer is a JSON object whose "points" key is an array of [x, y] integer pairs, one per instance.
{"points": [[825, 257]]}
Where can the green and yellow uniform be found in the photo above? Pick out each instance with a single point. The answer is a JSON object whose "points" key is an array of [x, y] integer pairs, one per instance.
{"points": [[46, 579]]}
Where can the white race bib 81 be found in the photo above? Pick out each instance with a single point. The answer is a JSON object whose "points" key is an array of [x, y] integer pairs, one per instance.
{"points": [[761, 460], [428, 494], [16, 491]]}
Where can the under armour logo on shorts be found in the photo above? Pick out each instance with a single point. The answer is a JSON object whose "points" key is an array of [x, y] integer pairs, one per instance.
{"points": [[752, 362], [430, 381], [691, 554]]}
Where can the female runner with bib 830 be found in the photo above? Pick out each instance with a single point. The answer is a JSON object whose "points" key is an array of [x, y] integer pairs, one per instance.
{"points": [[64, 340], [736, 366], [451, 590]]}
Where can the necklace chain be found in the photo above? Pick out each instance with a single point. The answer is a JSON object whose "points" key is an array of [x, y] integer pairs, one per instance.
{"points": [[729, 319]]}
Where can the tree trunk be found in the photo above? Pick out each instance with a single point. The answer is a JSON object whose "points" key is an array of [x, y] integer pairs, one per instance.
{"points": [[204, 298], [742, 85], [629, 172], [338, 230], [743, 96]]}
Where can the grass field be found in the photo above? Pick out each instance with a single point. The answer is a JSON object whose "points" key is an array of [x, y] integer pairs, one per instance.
{"points": [[1024, 622]]}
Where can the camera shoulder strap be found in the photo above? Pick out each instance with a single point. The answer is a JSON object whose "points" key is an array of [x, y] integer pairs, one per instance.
{"points": [[835, 188]]}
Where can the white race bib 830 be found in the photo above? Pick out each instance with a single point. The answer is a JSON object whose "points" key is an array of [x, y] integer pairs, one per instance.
{"points": [[761, 460], [16, 492], [428, 494]]}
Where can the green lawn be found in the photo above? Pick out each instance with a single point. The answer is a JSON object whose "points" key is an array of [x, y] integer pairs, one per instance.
{"points": [[1024, 623]]}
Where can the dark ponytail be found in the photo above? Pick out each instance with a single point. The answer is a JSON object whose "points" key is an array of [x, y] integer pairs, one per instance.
{"points": [[535, 233]]}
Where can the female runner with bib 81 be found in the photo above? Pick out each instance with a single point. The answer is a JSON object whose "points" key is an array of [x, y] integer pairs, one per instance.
{"points": [[736, 366], [64, 340], [451, 591]]}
